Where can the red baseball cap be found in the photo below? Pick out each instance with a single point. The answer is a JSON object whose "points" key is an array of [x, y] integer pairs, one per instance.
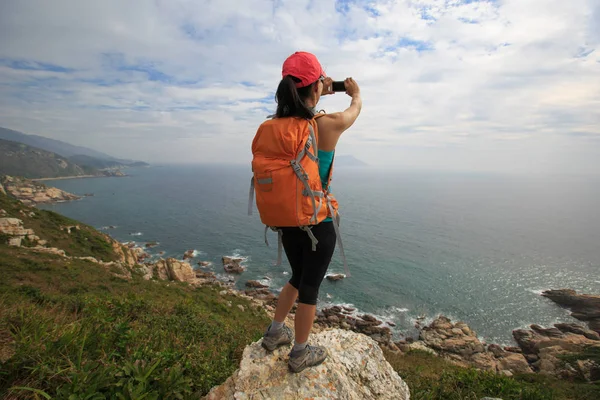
{"points": [[303, 66]]}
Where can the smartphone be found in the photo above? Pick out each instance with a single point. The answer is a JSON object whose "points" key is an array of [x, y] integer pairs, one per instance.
{"points": [[338, 86]]}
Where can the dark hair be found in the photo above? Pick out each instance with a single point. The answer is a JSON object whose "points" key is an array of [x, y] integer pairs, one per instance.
{"points": [[290, 100]]}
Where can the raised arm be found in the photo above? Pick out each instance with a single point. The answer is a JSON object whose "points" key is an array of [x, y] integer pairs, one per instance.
{"points": [[331, 126]]}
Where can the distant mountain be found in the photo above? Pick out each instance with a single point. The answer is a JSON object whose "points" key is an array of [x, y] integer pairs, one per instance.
{"points": [[349, 161], [18, 159], [56, 146], [94, 162], [92, 157]]}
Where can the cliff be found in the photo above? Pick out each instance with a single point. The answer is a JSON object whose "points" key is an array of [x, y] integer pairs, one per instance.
{"points": [[31, 162], [165, 330]]}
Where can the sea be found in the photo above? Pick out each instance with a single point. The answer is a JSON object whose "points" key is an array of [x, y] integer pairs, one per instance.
{"points": [[475, 247]]}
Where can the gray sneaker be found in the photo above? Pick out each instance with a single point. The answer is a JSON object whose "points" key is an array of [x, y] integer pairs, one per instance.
{"points": [[309, 357], [272, 340]]}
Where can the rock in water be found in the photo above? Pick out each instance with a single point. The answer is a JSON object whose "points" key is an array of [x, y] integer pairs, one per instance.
{"points": [[233, 264], [335, 277], [188, 254], [584, 307], [355, 369]]}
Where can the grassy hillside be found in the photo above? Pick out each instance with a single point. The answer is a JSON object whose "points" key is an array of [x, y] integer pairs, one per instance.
{"points": [[82, 242], [21, 160], [71, 329]]}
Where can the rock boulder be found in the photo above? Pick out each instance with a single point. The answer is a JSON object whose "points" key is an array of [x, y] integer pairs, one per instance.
{"points": [[584, 307], [355, 369], [255, 284], [335, 277], [233, 264], [545, 347]]}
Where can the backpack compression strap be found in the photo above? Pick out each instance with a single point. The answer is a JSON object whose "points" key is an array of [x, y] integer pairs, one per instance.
{"points": [[301, 173]]}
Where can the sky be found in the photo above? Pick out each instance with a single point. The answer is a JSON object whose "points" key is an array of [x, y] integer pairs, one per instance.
{"points": [[498, 85]]}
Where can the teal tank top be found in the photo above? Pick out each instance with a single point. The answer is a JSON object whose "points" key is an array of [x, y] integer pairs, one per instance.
{"points": [[325, 161]]}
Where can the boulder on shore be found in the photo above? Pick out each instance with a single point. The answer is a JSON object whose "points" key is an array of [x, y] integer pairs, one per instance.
{"points": [[31, 192], [584, 307], [544, 348], [261, 294], [171, 269], [354, 369], [256, 284], [458, 343]]}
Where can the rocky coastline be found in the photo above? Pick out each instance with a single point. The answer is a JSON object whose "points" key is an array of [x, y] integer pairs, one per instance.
{"points": [[31, 193], [100, 174], [539, 350], [584, 307], [552, 350]]}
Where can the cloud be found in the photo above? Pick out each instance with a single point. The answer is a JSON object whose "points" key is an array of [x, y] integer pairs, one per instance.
{"points": [[444, 82]]}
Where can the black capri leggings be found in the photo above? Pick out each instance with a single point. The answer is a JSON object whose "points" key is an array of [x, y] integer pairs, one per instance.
{"points": [[309, 267]]}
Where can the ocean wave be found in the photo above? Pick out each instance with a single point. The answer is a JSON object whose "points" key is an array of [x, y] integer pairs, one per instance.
{"points": [[237, 254], [136, 234], [265, 281], [195, 253]]}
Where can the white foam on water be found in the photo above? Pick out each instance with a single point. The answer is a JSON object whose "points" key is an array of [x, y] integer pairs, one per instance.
{"points": [[196, 253], [333, 273], [266, 282], [136, 234], [237, 254], [536, 291], [285, 273]]}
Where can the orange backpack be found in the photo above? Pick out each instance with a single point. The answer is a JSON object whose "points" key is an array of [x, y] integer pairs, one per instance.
{"points": [[286, 180]]}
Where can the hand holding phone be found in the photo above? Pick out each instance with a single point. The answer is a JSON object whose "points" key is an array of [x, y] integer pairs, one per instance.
{"points": [[338, 86]]}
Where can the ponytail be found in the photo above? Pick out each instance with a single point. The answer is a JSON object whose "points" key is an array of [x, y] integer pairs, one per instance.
{"points": [[290, 100]]}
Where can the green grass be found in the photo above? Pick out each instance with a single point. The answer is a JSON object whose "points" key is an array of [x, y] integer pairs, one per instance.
{"points": [[432, 378], [78, 331], [70, 329], [47, 225]]}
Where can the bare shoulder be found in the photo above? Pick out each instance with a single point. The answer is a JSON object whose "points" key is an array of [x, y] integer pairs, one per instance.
{"points": [[330, 128], [333, 121]]}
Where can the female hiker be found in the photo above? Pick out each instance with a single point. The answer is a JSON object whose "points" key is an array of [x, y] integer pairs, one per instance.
{"points": [[297, 96]]}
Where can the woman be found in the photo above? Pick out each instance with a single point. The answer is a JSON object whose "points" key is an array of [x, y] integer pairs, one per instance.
{"points": [[297, 96]]}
